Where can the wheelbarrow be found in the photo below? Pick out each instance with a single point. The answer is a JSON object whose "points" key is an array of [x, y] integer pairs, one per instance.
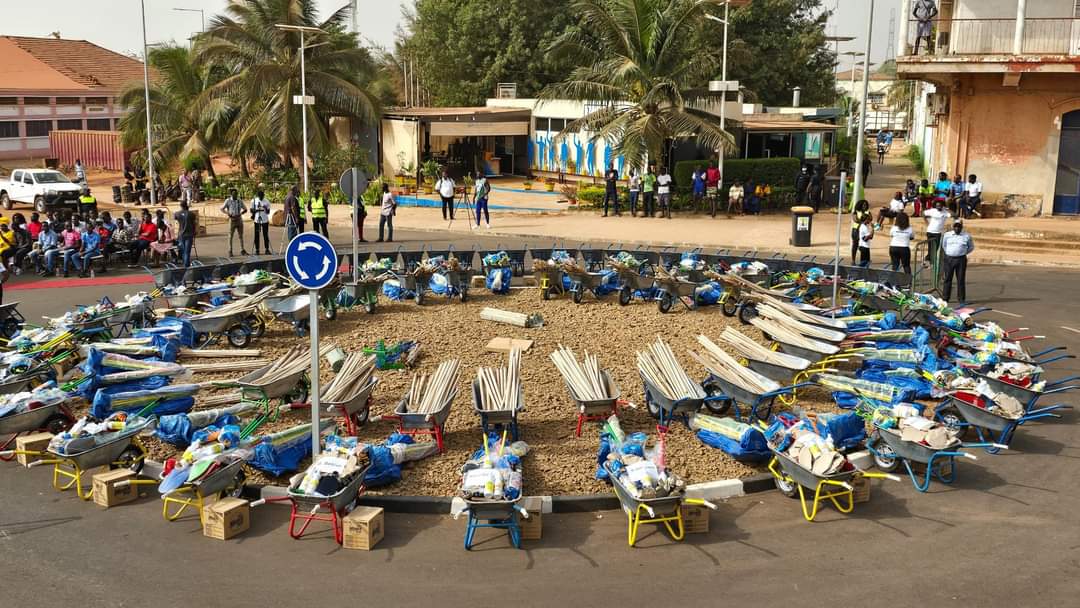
{"points": [[985, 422], [664, 510], [596, 410], [210, 327], [430, 424], [306, 507], [796, 481], [54, 418], [1027, 397], [549, 279], [580, 282], [355, 409], [890, 451], [364, 292], [227, 480], [497, 420], [634, 284], [664, 409], [499, 514], [292, 388], [725, 395], [670, 289]]}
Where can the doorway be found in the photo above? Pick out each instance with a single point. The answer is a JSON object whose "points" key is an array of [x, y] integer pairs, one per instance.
{"points": [[1067, 190]]}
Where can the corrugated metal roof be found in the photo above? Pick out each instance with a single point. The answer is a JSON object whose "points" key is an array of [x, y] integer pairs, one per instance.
{"points": [[787, 125], [458, 112], [56, 64]]}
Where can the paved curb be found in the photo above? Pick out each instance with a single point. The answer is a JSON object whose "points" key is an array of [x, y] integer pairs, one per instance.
{"points": [[585, 503]]}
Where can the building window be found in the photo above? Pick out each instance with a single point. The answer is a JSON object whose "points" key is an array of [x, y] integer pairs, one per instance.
{"points": [[36, 101], [70, 124], [98, 124], [38, 128], [9, 129], [9, 101], [97, 101], [67, 101], [558, 124], [541, 124], [876, 97]]}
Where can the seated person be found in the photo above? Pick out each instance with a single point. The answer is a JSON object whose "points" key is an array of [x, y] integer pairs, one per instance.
{"points": [[90, 247], [972, 197], [895, 208], [48, 242]]}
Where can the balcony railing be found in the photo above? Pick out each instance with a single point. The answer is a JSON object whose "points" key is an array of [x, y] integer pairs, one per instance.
{"points": [[1042, 36]]}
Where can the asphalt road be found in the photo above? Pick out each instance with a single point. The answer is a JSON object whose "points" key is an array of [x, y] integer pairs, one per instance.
{"points": [[1007, 533]]}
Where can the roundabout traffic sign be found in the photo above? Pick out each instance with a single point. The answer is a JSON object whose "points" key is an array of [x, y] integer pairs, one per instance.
{"points": [[311, 260]]}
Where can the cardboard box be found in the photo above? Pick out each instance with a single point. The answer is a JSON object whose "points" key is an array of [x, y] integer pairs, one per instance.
{"points": [[226, 518], [861, 487], [106, 494], [533, 527], [35, 442], [363, 528], [695, 519]]}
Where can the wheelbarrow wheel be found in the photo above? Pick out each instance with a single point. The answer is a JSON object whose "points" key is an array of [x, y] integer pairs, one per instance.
{"points": [[952, 419], [730, 307], [787, 488], [258, 327], [10, 328], [654, 409], [719, 407], [463, 293], [330, 313], [746, 313], [238, 336], [202, 340], [301, 328], [419, 298], [130, 458], [297, 395], [625, 295], [57, 423], [545, 293], [578, 295], [885, 458], [665, 302], [237, 488], [370, 308]]}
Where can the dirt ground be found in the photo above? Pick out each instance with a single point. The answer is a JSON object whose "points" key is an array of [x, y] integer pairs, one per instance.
{"points": [[559, 462]]}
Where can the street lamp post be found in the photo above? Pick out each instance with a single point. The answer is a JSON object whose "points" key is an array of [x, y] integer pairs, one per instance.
{"points": [[202, 15], [723, 100], [851, 107], [146, 93], [862, 113], [303, 100]]}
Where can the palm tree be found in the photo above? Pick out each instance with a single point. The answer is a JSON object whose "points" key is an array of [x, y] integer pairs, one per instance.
{"points": [[183, 130], [263, 64], [645, 63]]}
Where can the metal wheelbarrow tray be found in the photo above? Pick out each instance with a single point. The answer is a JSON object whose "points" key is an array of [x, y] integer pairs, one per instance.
{"points": [[986, 423], [229, 478], [252, 388], [580, 282], [890, 450], [596, 410], [664, 409], [411, 423], [25, 380], [120, 449], [211, 326], [670, 290], [1028, 397], [663, 510], [354, 409], [732, 395], [497, 419], [295, 309], [794, 481], [305, 507], [631, 282], [184, 300]]}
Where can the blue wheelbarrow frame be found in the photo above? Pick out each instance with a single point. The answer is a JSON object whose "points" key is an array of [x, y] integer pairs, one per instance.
{"points": [[889, 451], [731, 396], [985, 423]]}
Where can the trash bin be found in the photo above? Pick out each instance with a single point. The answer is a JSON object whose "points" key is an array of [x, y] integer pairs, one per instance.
{"points": [[802, 221]]}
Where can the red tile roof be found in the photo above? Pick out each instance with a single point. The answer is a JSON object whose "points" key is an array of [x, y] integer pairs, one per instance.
{"points": [[48, 63]]}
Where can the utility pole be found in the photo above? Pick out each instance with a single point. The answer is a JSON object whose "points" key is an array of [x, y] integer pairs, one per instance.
{"points": [[862, 113]]}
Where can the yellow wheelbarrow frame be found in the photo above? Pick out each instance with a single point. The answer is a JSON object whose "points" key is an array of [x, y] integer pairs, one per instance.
{"points": [[825, 489], [638, 516], [68, 472]]}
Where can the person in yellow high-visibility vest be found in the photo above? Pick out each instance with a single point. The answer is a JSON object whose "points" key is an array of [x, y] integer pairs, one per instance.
{"points": [[317, 206], [87, 201], [301, 220]]}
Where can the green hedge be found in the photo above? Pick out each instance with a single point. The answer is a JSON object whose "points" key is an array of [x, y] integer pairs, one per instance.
{"points": [[777, 172]]}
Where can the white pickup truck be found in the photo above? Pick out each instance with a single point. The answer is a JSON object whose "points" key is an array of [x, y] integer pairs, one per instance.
{"points": [[45, 189]]}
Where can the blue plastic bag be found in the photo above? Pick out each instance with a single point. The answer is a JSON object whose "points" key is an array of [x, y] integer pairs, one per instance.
{"points": [[751, 447], [498, 280]]}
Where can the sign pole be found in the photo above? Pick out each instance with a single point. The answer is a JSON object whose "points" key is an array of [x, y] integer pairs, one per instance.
{"points": [[839, 224], [314, 375], [356, 224]]}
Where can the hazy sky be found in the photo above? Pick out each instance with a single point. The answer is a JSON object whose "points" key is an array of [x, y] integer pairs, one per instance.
{"points": [[115, 24]]}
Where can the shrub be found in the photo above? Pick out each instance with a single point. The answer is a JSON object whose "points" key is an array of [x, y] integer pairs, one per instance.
{"points": [[914, 154], [777, 172], [590, 196]]}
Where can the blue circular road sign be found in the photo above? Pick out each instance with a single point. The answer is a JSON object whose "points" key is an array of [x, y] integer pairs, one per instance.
{"points": [[311, 260]]}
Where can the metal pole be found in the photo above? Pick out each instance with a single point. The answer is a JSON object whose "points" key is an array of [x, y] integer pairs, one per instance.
{"points": [[862, 111], [356, 224], [839, 232], [303, 115], [905, 20], [851, 103], [146, 91], [723, 103], [314, 317]]}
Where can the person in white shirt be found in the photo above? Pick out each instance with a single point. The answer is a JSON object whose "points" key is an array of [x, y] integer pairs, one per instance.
{"points": [[260, 216], [445, 188], [972, 197], [736, 193], [663, 192], [900, 243], [935, 219], [956, 246], [866, 234], [635, 191], [386, 213], [895, 208]]}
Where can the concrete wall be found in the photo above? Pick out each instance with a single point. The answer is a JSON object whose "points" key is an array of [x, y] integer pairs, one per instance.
{"points": [[398, 137], [1009, 137], [1006, 9]]}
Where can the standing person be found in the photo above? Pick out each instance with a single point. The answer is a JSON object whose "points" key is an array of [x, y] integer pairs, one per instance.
{"points": [[972, 196], [858, 214], [866, 235], [445, 188], [888, 140], [235, 209], [301, 214], [185, 187], [924, 12], [697, 180], [735, 198], [319, 213], [185, 232], [148, 234], [648, 182], [956, 246], [260, 218], [802, 184], [87, 201], [900, 243], [386, 213], [817, 187], [363, 216], [881, 152], [483, 190], [935, 219], [80, 172], [712, 187], [635, 191], [292, 213], [663, 189], [867, 170], [611, 189]]}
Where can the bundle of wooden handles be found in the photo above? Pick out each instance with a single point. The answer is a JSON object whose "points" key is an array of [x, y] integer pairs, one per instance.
{"points": [[500, 388]]}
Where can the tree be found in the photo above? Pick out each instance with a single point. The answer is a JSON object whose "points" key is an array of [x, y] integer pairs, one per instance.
{"points": [[184, 131], [263, 64], [777, 45], [462, 48], [639, 59]]}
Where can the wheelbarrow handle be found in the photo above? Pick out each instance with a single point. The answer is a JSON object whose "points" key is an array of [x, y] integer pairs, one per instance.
{"points": [[649, 510], [881, 476], [38, 463], [702, 502], [522, 510], [262, 501]]}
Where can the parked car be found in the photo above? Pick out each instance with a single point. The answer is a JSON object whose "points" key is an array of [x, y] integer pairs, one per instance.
{"points": [[45, 189]]}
